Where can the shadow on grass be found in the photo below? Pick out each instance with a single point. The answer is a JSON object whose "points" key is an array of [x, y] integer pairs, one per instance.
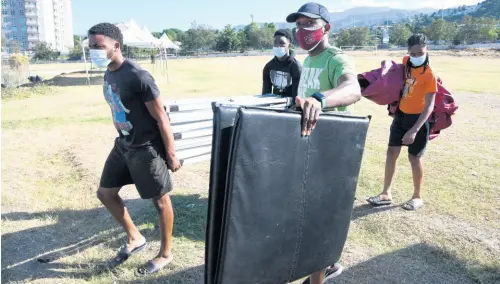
{"points": [[192, 275], [72, 79], [416, 264], [76, 231], [363, 210]]}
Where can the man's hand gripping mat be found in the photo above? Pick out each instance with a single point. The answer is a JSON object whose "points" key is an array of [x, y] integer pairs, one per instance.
{"points": [[288, 199]]}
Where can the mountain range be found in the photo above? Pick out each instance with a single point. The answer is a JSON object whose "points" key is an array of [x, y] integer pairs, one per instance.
{"points": [[361, 16]]}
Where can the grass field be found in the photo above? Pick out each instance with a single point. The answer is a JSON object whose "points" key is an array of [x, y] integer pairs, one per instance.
{"points": [[55, 141]]}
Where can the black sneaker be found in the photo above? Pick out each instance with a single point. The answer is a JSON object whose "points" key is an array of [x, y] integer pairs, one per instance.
{"points": [[331, 272]]}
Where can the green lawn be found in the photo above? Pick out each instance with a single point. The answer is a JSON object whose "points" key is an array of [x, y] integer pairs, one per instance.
{"points": [[55, 141]]}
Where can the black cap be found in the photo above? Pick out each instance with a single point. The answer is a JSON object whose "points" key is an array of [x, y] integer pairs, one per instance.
{"points": [[310, 10]]}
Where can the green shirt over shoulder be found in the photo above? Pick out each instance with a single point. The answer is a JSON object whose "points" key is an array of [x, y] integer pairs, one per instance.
{"points": [[322, 72]]}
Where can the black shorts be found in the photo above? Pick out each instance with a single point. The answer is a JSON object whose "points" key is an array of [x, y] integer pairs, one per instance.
{"points": [[400, 125], [146, 167]]}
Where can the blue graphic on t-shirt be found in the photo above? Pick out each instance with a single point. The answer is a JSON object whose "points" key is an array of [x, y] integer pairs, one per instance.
{"points": [[118, 110]]}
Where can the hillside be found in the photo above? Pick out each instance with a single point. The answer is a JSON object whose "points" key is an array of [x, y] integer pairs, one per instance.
{"points": [[488, 8], [361, 16], [367, 16]]}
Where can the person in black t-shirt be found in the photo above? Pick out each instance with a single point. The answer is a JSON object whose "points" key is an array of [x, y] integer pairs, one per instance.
{"points": [[144, 150], [281, 75]]}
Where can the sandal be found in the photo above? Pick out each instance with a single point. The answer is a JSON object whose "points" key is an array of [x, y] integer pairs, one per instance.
{"points": [[377, 201], [151, 267], [413, 204], [124, 253]]}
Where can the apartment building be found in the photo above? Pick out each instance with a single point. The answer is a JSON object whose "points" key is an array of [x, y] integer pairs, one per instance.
{"points": [[29, 21]]}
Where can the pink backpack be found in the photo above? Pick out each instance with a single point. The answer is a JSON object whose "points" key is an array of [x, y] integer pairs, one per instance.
{"points": [[384, 86], [444, 107]]}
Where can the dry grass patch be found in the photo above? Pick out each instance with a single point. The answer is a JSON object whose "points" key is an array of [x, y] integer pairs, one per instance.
{"points": [[54, 146]]}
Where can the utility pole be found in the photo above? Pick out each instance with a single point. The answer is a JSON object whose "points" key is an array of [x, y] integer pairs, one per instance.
{"points": [[251, 16]]}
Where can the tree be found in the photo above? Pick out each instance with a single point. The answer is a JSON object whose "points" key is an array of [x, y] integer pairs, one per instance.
{"points": [[467, 30], [243, 41], [271, 27], [77, 40], [252, 35], [343, 38], [399, 35], [437, 30], [18, 61], [76, 52], [260, 37], [487, 29], [173, 34], [227, 40], [180, 36], [266, 35], [157, 34], [376, 36], [441, 30], [360, 36], [43, 51], [199, 37]]}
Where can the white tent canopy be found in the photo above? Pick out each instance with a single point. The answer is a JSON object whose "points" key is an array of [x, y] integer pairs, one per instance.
{"points": [[167, 43], [133, 35]]}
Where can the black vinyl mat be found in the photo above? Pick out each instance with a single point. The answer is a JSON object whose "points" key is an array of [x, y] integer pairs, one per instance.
{"points": [[279, 204]]}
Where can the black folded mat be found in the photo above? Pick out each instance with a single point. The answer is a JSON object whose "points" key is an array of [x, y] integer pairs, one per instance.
{"points": [[223, 123], [287, 200]]}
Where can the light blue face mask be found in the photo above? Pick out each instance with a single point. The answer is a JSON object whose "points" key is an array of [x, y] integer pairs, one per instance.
{"points": [[99, 58], [418, 61], [279, 51]]}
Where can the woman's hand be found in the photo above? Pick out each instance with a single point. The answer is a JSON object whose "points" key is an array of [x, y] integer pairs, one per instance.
{"points": [[409, 137]]}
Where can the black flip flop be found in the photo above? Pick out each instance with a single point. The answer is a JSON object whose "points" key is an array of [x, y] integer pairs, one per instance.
{"points": [[151, 268], [124, 254]]}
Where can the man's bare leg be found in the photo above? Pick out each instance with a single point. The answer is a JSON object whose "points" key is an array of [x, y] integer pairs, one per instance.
{"points": [[114, 203], [318, 277], [165, 211]]}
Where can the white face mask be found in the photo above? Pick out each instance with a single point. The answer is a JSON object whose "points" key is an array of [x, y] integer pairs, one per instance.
{"points": [[99, 58], [279, 51], [418, 61]]}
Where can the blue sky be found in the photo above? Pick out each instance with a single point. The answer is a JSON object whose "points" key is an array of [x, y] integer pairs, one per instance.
{"points": [[160, 14]]}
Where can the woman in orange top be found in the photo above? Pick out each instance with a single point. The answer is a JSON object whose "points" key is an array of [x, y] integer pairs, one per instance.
{"points": [[410, 127]]}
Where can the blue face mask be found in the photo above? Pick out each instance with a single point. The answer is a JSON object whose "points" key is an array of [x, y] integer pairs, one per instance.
{"points": [[99, 58], [418, 61], [279, 51]]}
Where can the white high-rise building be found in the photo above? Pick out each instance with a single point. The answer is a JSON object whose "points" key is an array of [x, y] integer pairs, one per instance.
{"points": [[29, 21]]}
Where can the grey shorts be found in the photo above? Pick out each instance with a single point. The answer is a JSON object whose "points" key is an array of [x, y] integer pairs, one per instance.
{"points": [[146, 167]]}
